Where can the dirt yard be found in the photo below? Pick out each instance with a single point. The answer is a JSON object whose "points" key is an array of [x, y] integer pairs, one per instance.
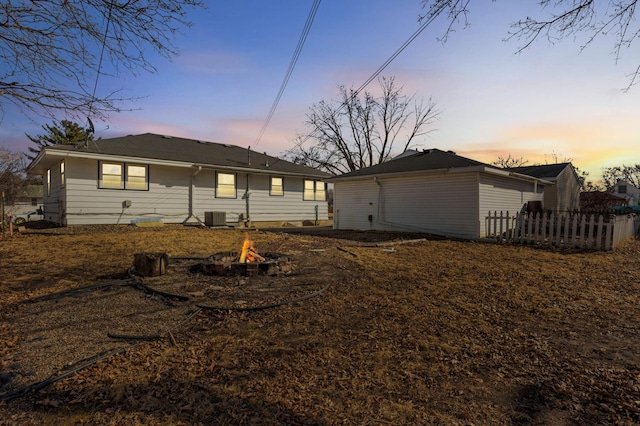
{"points": [[367, 329]]}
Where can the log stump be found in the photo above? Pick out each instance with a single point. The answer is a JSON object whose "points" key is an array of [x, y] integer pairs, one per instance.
{"points": [[150, 264]]}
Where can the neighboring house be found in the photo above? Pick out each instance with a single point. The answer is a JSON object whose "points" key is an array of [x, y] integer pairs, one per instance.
{"points": [[430, 191], [564, 195], [599, 202], [27, 200], [628, 191], [177, 180]]}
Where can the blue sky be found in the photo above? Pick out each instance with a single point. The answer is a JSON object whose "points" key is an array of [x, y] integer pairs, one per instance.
{"points": [[548, 100]]}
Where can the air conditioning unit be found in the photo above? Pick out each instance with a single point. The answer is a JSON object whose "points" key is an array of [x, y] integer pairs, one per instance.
{"points": [[215, 218]]}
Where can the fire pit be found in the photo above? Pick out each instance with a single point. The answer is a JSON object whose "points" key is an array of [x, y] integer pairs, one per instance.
{"points": [[245, 263]]}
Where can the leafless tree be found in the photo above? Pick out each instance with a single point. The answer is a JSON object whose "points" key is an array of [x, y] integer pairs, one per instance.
{"points": [[509, 161], [12, 178], [51, 52], [359, 131], [584, 20], [613, 175]]}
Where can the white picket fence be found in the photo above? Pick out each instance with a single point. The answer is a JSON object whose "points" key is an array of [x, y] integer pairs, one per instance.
{"points": [[571, 230]]}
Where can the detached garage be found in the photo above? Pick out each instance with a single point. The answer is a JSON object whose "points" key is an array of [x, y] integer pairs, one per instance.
{"points": [[430, 191]]}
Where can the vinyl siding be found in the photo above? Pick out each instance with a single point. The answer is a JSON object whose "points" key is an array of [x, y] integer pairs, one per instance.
{"points": [[444, 204], [500, 194], [168, 197], [568, 189]]}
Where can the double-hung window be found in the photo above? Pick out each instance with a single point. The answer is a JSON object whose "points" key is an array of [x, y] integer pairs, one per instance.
{"points": [[314, 190], [277, 186], [124, 176], [61, 173], [225, 185]]}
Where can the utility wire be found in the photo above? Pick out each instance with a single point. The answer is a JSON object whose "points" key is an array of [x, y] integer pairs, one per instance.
{"points": [[95, 85], [292, 65], [383, 66]]}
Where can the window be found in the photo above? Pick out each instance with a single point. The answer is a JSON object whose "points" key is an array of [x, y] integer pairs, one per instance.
{"points": [[111, 175], [226, 185], [136, 177], [61, 173], [314, 190], [622, 189], [124, 176], [48, 183], [277, 187]]}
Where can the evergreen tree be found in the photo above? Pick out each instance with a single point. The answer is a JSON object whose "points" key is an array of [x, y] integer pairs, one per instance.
{"points": [[63, 133]]}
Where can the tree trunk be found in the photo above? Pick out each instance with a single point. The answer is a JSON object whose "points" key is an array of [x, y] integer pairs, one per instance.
{"points": [[150, 264]]}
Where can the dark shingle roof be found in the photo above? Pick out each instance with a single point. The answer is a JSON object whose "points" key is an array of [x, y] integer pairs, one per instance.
{"points": [[430, 159], [545, 171], [158, 147]]}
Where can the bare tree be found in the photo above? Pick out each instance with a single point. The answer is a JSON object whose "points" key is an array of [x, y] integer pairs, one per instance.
{"points": [[613, 175], [559, 19], [12, 178], [509, 162], [51, 52], [360, 131]]}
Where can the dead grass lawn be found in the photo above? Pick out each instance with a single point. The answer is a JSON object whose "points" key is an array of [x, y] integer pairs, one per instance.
{"points": [[429, 332]]}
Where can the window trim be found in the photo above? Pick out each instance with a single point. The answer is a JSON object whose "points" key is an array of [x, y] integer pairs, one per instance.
{"points": [[271, 186], [127, 184], [235, 185], [316, 184], [124, 176], [62, 174], [48, 177]]}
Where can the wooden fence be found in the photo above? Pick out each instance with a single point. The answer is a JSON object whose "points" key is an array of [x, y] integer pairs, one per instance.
{"points": [[572, 230]]}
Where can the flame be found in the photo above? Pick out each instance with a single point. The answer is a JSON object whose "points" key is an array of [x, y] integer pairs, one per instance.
{"points": [[248, 252]]}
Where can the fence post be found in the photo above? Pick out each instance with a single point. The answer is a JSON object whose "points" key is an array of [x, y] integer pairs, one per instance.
{"points": [[610, 230], [599, 232], [583, 230]]}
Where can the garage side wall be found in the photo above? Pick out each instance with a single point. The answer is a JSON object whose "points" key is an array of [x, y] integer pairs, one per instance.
{"points": [[445, 204], [502, 194]]}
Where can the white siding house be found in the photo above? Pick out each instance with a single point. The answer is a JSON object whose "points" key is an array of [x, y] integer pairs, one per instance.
{"points": [[116, 181], [431, 191], [628, 191]]}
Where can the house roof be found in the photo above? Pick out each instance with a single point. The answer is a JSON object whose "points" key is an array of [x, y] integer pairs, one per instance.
{"points": [[173, 150], [429, 159], [545, 171]]}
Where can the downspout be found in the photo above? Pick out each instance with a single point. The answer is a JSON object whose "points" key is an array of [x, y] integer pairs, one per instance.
{"points": [[247, 195], [191, 191]]}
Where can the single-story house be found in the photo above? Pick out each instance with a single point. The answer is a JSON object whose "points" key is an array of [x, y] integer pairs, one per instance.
{"points": [[28, 199], [430, 191], [628, 191], [176, 180], [564, 196]]}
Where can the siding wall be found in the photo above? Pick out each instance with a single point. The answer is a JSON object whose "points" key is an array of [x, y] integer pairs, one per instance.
{"points": [[503, 194], [568, 189], [169, 193], [53, 204], [444, 204]]}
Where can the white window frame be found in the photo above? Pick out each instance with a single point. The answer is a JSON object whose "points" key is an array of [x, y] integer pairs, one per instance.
{"points": [[221, 187], [279, 189]]}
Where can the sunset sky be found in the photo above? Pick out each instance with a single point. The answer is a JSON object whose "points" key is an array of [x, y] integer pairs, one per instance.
{"points": [[548, 102]]}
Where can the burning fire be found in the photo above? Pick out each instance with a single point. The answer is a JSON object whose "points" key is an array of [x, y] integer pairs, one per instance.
{"points": [[248, 252]]}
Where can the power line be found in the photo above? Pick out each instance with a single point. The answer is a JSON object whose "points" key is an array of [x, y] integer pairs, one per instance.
{"points": [[292, 65], [385, 64]]}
